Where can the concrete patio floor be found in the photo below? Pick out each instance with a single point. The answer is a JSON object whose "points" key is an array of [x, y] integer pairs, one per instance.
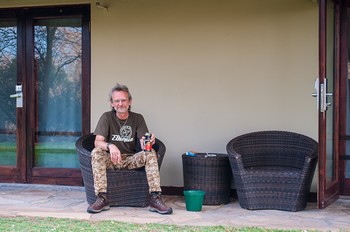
{"points": [[69, 202]]}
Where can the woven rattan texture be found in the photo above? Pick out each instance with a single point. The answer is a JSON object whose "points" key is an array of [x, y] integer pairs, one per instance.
{"points": [[124, 187], [273, 169], [211, 174]]}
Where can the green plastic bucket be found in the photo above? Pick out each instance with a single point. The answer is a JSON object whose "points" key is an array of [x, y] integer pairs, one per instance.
{"points": [[194, 200]]}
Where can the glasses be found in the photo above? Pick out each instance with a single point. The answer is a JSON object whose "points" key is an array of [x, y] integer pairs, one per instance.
{"points": [[120, 100]]}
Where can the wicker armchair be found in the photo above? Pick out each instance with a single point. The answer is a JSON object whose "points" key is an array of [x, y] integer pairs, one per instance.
{"points": [[124, 187], [273, 169]]}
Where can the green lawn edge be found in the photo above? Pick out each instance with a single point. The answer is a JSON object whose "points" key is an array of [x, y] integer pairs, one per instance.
{"points": [[38, 224]]}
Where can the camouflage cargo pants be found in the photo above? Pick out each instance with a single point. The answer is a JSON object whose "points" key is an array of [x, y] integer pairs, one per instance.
{"points": [[101, 161]]}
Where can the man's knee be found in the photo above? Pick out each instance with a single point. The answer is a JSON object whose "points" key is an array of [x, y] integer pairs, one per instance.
{"points": [[152, 159], [151, 155], [98, 152], [99, 156]]}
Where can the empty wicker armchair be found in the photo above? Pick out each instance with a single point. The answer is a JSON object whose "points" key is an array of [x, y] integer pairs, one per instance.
{"points": [[125, 187], [273, 169]]}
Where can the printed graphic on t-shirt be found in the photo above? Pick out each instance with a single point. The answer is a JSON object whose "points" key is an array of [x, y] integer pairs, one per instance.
{"points": [[125, 134]]}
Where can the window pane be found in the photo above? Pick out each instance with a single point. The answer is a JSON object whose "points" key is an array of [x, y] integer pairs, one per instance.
{"points": [[58, 49], [330, 165], [8, 80]]}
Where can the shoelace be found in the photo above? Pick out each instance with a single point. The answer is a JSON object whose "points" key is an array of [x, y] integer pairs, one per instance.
{"points": [[100, 201], [159, 201]]}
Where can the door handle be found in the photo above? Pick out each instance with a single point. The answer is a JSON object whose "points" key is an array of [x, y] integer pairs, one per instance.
{"points": [[324, 95], [18, 95], [323, 92]]}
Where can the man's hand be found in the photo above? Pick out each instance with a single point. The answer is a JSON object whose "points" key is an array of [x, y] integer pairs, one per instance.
{"points": [[116, 157], [113, 149], [153, 140]]}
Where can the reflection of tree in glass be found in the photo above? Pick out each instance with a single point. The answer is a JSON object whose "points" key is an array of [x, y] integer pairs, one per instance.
{"points": [[8, 45], [8, 49], [58, 55]]}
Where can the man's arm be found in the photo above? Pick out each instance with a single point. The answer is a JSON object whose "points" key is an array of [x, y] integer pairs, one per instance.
{"points": [[100, 142], [113, 150]]}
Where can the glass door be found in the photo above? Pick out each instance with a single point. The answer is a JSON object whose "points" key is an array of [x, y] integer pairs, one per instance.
{"points": [[344, 165], [328, 98], [9, 114], [53, 82]]}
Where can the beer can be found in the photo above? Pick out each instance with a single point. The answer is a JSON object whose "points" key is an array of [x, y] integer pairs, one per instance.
{"points": [[147, 145]]}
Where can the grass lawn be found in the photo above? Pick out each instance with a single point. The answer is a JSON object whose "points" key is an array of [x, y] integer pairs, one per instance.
{"points": [[30, 224]]}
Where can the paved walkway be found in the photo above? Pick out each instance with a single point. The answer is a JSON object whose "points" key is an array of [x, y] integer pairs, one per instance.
{"points": [[69, 202]]}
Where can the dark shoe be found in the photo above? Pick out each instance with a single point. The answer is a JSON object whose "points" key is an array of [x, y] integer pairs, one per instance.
{"points": [[157, 205], [101, 204]]}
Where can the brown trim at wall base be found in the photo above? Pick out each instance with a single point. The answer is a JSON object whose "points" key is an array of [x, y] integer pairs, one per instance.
{"points": [[172, 191], [178, 191]]}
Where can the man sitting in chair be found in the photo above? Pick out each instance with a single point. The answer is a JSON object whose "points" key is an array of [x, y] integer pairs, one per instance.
{"points": [[115, 148]]}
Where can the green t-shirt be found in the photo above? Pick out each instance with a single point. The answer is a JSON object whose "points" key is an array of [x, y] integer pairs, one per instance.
{"points": [[125, 134]]}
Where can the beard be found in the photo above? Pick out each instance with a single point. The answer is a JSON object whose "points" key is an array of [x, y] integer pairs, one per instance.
{"points": [[122, 110]]}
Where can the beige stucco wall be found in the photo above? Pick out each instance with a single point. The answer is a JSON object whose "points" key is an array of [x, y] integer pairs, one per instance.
{"points": [[203, 72]]}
